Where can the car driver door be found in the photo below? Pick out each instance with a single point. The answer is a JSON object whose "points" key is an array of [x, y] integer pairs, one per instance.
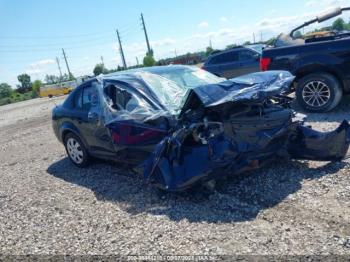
{"points": [[90, 121]]}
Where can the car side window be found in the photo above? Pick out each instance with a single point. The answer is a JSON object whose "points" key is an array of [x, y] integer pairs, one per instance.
{"points": [[86, 97], [89, 97], [121, 99], [245, 55], [228, 57]]}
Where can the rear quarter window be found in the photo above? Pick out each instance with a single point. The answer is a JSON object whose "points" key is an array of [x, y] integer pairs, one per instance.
{"points": [[227, 57], [247, 55], [69, 102]]}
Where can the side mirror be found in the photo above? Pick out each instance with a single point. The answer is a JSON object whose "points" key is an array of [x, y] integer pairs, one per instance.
{"points": [[257, 57], [92, 116]]}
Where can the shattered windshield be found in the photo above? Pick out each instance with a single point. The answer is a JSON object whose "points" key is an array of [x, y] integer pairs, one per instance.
{"points": [[190, 77], [170, 94]]}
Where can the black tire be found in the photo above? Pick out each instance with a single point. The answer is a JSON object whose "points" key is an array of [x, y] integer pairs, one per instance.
{"points": [[50, 96], [326, 97], [76, 150]]}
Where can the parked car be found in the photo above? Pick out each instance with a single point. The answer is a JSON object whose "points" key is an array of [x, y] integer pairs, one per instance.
{"points": [[321, 65], [234, 62], [180, 134]]}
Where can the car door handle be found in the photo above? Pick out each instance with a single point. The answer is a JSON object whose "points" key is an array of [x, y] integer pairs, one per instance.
{"points": [[92, 116], [77, 118]]}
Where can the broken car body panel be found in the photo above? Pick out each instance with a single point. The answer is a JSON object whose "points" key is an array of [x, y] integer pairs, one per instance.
{"points": [[185, 135]]}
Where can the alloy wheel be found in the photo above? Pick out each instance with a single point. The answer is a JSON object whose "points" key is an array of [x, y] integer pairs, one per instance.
{"points": [[316, 93], [75, 151]]}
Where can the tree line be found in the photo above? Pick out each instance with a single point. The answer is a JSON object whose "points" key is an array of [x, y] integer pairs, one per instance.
{"points": [[24, 91]]}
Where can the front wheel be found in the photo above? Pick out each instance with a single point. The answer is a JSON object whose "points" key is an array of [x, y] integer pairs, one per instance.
{"points": [[76, 150], [318, 92]]}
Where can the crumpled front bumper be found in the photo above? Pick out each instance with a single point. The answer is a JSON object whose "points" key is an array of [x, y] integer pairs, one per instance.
{"points": [[175, 166], [310, 144]]}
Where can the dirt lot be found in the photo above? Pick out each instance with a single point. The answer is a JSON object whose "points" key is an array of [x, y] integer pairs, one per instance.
{"points": [[47, 206]]}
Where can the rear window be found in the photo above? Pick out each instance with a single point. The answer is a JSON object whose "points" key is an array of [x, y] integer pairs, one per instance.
{"points": [[224, 58]]}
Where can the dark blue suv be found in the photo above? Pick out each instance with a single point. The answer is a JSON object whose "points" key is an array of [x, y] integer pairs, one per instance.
{"points": [[234, 62]]}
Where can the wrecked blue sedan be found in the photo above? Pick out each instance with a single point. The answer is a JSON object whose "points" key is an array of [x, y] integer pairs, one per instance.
{"points": [[184, 126]]}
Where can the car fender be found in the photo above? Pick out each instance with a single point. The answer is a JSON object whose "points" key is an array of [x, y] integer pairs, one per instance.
{"points": [[67, 127], [317, 63]]}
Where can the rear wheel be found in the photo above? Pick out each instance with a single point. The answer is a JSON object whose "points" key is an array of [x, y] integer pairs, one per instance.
{"points": [[76, 150], [319, 92]]}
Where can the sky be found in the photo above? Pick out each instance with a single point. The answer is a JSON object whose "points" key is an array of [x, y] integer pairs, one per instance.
{"points": [[33, 32]]}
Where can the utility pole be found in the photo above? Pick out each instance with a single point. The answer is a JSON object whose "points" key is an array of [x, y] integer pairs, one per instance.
{"points": [[121, 50], [103, 63], [65, 59], [59, 68], [261, 38], [210, 44], [175, 53], [253, 38], [137, 61], [146, 36]]}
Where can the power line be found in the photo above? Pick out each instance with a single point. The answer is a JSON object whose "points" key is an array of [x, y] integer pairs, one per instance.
{"points": [[31, 50], [128, 30], [122, 28], [56, 44], [55, 37]]}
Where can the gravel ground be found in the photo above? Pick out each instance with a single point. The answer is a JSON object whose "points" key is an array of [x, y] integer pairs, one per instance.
{"points": [[48, 206]]}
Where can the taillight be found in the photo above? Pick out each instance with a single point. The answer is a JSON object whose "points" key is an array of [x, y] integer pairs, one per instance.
{"points": [[264, 63]]}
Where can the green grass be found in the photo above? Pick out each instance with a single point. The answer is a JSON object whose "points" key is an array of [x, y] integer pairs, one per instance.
{"points": [[17, 97]]}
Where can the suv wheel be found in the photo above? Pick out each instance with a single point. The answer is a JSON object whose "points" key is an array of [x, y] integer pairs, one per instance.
{"points": [[319, 92], [76, 150]]}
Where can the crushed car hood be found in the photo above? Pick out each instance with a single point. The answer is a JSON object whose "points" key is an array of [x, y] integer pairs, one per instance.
{"points": [[255, 87]]}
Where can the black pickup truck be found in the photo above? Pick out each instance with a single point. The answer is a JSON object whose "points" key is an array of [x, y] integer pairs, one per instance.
{"points": [[321, 65]]}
